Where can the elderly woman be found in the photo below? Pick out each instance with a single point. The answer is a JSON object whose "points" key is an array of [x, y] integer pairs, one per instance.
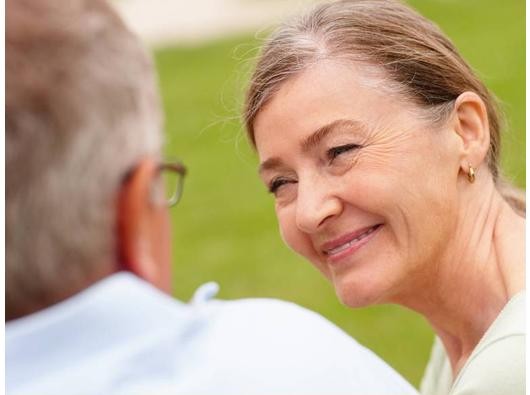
{"points": [[381, 148]]}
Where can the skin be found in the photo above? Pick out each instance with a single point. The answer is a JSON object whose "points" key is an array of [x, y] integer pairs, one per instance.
{"points": [[144, 228], [344, 155]]}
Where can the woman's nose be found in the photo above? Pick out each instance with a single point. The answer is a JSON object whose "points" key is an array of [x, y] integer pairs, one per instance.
{"points": [[315, 205]]}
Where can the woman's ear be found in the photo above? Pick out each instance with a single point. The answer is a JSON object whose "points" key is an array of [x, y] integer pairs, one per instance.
{"points": [[472, 126], [143, 227]]}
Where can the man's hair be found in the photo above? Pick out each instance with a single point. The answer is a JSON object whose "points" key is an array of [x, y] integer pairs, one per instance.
{"points": [[81, 110]]}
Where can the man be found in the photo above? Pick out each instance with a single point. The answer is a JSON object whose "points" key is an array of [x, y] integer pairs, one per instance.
{"points": [[87, 245]]}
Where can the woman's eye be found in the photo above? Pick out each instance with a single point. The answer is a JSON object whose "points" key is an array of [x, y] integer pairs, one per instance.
{"points": [[277, 183], [336, 151]]}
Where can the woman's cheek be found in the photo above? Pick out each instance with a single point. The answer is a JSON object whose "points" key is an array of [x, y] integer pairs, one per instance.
{"points": [[289, 231], [300, 243]]}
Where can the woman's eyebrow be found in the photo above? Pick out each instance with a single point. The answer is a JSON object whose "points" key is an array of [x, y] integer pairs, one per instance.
{"points": [[313, 140], [270, 164]]}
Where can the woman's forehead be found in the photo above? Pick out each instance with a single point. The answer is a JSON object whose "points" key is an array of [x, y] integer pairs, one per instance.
{"points": [[323, 94]]}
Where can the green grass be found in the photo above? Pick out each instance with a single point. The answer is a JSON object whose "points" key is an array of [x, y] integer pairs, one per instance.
{"points": [[224, 228]]}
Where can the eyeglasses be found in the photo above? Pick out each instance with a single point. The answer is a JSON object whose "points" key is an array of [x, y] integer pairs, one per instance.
{"points": [[172, 174]]}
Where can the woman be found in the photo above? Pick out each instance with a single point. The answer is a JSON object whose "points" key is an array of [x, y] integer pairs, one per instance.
{"points": [[381, 148]]}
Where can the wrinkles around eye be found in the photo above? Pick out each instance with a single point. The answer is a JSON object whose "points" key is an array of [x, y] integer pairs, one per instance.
{"points": [[348, 157], [335, 152]]}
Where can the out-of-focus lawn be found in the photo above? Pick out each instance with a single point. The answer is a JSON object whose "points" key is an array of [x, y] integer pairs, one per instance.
{"points": [[224, 228]]}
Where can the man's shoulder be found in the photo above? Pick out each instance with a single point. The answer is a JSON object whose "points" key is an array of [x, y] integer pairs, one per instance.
{"points": [[265, 311], [260, 318], [289, 343], [137, 338]]}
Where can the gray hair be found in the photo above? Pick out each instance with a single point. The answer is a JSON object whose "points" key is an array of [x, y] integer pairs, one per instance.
{"points": [[81, 110]]}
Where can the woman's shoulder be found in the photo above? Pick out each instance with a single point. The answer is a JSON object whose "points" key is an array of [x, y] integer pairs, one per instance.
{"points": [[499, 368], [509, 322], [497, 365]]}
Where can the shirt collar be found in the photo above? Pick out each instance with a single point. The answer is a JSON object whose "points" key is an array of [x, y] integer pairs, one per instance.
{"points": [[100, 317]]}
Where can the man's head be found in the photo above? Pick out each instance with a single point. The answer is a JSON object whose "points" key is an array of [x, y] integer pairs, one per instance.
{"points": [[83, 141]]}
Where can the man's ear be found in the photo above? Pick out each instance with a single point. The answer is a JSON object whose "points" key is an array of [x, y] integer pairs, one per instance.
{"points": [[143, 227], [472, 126]]}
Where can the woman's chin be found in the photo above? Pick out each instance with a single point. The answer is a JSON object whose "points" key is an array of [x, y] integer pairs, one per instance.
{"points": [[357, 295]]}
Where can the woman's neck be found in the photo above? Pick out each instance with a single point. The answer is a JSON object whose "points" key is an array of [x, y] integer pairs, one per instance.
{"points": [[480, 271]]}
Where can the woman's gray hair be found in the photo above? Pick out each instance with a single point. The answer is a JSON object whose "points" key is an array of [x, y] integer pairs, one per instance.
{"points": [[418, 61], [81, 110]]}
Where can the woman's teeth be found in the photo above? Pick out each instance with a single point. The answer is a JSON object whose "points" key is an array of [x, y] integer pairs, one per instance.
{"points": [[344, 246]]}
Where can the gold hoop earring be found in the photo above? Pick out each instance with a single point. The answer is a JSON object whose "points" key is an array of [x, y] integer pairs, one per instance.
{"points": [[471, 174]]}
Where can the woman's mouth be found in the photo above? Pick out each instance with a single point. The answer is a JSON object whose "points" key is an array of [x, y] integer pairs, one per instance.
{"points": [[348, 244]]}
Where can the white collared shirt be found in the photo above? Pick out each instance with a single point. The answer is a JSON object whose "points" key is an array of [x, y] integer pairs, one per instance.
{"points": [[123, 336]]}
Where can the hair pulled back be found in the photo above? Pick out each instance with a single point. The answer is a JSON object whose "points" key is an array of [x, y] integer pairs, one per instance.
{"points": [[413, 52]]}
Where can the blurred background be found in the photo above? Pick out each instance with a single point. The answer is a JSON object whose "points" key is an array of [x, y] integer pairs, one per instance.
{"points": [[224, 227]]}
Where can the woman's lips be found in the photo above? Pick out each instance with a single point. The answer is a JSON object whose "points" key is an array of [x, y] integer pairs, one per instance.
{"points": [[348, 244]]}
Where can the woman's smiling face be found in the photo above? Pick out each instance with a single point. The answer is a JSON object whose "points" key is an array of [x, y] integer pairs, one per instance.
{"points": [[365, 187]]}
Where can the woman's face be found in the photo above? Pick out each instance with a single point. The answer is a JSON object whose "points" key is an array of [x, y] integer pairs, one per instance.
{"points": [[365, 188]]}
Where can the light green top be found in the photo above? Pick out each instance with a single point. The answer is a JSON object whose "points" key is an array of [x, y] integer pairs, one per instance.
{"points": [[495, 367]]}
